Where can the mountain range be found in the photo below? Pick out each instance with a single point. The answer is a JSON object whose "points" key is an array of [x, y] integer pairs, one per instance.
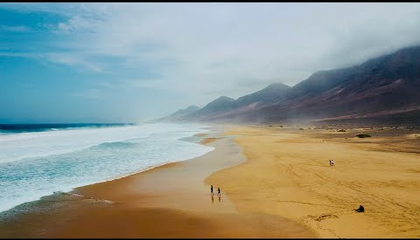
{"points": [[383, 89]]}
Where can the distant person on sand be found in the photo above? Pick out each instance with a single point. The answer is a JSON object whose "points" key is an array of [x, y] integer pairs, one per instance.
{"points": [[211, 189], [218, 191], [331, 162], [360, 209]]}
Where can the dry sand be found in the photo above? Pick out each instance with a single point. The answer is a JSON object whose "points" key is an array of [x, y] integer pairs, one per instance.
{"points": [[168, 201], [287, 173]]}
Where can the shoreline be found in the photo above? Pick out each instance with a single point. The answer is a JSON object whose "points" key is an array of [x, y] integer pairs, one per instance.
{"points": [[275, 182], [51, 162], [185, 139], [147, 198]]}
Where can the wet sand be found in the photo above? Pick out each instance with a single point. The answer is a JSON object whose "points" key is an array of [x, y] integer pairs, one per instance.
{"points": [[168, 201], [287, 174]]}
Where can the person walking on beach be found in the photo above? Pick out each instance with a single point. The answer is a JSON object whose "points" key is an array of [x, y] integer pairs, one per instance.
{"points": [[218, 191], [211, 189]]}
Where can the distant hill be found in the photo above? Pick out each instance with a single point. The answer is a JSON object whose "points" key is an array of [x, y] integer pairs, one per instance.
{"points": [[379, 89], [223, 103], [224, 107], [274, 93], [180, 114]]}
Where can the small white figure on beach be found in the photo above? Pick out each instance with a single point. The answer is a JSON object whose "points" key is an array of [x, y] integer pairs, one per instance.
{"points": [[331, 162]]}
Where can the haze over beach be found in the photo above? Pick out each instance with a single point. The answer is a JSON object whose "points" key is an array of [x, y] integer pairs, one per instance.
{"points": [[225, 120]]}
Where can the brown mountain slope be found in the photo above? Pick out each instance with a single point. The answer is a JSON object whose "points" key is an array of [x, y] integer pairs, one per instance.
{"points": [[382, 88]]}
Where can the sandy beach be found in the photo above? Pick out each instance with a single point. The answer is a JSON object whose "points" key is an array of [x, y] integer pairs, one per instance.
{"points": [[276, 182], [168, 201], [287, 173]]}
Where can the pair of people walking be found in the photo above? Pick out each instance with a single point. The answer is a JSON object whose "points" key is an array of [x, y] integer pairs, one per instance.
{"points": [[211, 190]]}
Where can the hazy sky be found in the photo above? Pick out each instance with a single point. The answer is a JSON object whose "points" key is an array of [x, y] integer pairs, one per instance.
{"points": [[131, 62]]}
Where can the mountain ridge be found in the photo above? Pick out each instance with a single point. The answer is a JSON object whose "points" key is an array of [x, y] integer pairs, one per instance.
{"points": [[386, 84]]}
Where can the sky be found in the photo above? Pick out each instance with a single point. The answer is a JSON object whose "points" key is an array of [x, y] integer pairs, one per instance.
{"points": [[132, 62]]}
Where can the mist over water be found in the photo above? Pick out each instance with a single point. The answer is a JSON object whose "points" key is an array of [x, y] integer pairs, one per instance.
{"points": [[36, 164]]}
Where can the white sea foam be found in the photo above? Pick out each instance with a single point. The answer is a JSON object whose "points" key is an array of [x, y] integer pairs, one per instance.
{"points": [[33, 165], [40, 144]]}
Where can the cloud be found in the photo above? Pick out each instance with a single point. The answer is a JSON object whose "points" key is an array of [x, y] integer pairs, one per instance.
{"points": [[228, 42], [14, 28], [76, 24], [76, 60], [210, 49]]}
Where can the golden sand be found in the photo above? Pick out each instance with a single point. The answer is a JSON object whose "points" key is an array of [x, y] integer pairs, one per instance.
{"points": [[287, 173]]}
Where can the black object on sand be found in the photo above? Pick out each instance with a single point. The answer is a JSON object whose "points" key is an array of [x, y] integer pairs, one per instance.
{"points": [[360, 209]]}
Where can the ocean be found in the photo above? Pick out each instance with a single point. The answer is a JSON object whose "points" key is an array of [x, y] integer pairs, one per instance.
{"points": [[38, 160]]}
